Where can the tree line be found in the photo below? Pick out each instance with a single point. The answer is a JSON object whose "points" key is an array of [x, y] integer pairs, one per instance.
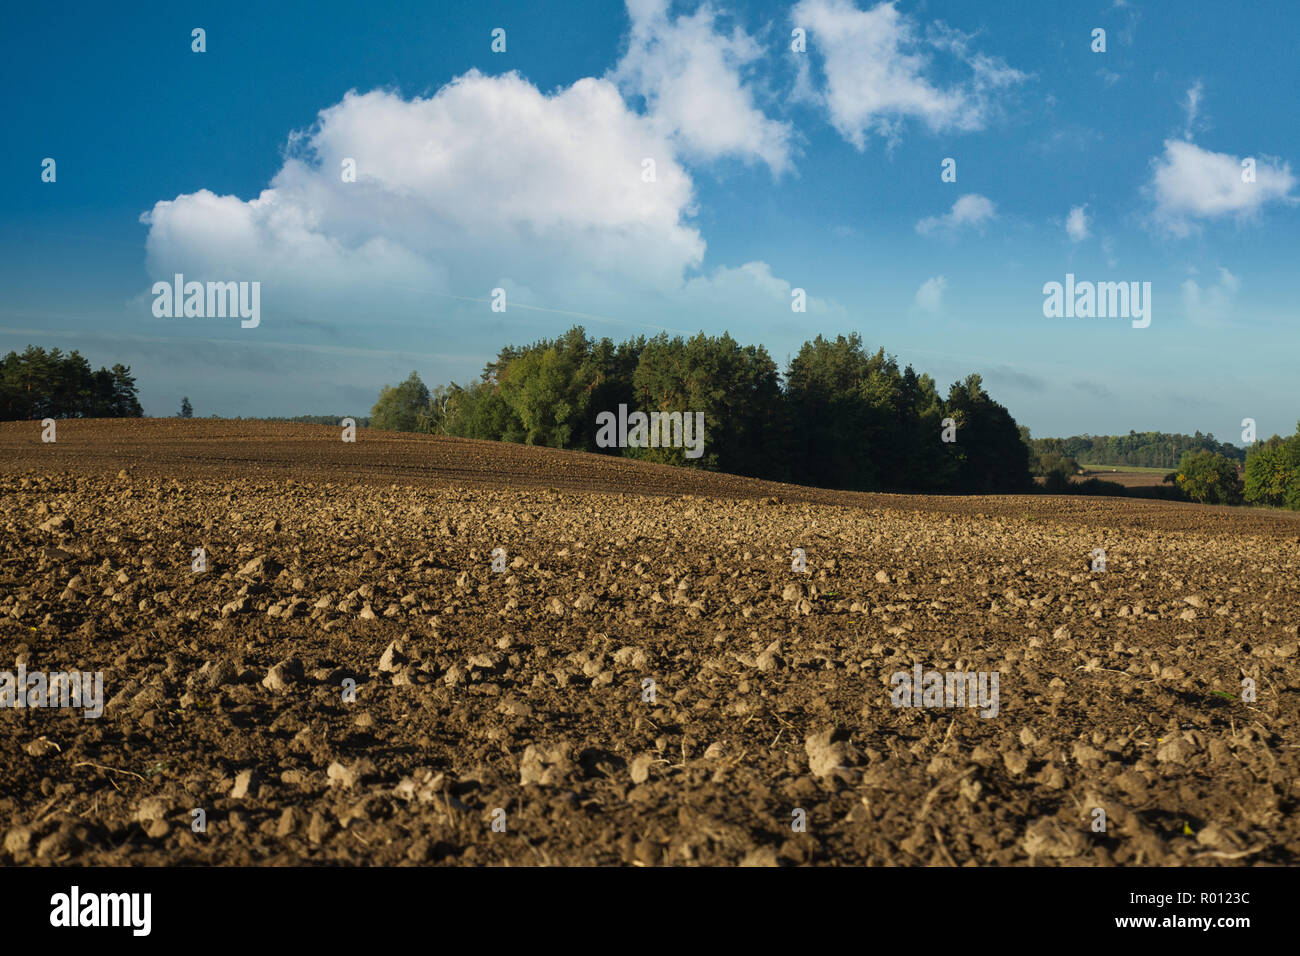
{"points": [[1270, 476], [41, 384], [1142, 449], [1273, 472], [362, 421], [841, 416]]}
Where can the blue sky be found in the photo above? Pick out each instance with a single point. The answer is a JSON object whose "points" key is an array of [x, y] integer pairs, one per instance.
{"points": [[774, 170]]}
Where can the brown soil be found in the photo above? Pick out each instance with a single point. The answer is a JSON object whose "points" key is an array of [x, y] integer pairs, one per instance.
{"points": [[520, 698], [1129, 479]]}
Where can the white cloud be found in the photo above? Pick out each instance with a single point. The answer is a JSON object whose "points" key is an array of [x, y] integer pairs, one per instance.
{"points": [[877, 67], [1076, 223], [751, 290], [1192, 107], [929, 297], [1128, 31], [1190, 183], [486, 181], [970, 210], [1213, 304], [690, 77]]}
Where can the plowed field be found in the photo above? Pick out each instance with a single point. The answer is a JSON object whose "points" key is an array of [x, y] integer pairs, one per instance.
{"points": [[642, 679]]}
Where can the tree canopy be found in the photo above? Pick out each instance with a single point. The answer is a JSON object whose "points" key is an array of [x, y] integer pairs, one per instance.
{"points": [[1273, 472], [1143, 449], [41, 384], [844, 416]]}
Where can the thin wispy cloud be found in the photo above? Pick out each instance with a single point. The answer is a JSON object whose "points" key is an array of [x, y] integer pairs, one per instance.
{"points": [[970, 211], [1076, 223], [929, 297]]}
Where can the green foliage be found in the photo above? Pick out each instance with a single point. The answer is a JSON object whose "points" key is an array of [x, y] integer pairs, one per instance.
{"points": [[548, 387], [187, 410], [1210, 478], [1273, 472], [1048, 460], [1142, 449], [857, 421], [846, 417], [480, 411], [402, 409], [992, 457], [41, 384], [736, 388], [1057, 482]]}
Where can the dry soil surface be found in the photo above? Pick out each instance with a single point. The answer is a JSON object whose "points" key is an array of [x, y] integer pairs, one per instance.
{"points": [[645, 680]]}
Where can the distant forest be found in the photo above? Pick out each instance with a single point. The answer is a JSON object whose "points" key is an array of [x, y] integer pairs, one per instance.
{"points": [[363, 421], [1143, 449], [841, 417], [40, 384]]}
